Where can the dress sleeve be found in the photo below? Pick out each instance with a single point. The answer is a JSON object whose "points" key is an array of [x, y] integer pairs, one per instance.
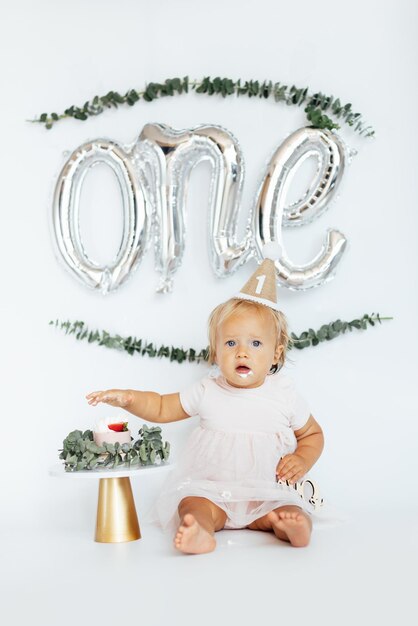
{"points": [[192, 397], [299, 410]]}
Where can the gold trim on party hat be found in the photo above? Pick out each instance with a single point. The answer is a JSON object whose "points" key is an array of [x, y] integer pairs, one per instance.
{"points": [[261, 286]]}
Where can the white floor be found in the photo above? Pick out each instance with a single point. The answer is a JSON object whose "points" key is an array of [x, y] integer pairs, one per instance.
{"points": [[361, 572]]}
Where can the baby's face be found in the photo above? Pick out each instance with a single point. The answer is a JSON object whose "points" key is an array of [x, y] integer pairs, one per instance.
{"points": [[246, 348]]}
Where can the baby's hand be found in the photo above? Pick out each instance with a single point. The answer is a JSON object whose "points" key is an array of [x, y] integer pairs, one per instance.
{"points": [[291, 467], [114, 397]]}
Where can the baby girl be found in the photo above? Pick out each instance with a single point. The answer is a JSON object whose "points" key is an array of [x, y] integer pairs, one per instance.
{"points": [[245, 465]]}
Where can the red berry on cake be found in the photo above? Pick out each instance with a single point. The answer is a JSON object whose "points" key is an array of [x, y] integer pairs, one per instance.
{"points": [[118, 427]]}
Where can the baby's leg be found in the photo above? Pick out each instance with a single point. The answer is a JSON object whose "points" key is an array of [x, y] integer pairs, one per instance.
{"points": [[199, 520], [289, 523]]}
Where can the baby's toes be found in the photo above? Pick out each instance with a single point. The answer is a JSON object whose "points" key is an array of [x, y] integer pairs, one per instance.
{"points": [[290, 517]]}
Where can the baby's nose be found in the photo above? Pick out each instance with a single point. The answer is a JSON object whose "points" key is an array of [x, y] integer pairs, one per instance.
{"points": [[241, 350]]}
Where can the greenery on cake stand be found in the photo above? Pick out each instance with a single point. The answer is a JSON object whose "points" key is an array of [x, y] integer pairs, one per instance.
{"points": [[80, 452]]}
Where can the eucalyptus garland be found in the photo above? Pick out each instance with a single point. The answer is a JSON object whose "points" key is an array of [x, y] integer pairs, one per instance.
{"points": [[80, 452], [142, 347], [315, 104]]}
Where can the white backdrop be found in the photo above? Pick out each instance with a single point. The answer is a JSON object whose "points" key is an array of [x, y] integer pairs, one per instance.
{"points": [[362, 387]]}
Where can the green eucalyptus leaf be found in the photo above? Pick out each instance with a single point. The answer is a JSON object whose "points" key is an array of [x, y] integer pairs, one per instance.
{"points": [[143, 452], [75, 435]]}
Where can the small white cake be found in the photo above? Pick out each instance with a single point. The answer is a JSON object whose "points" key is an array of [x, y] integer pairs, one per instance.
{"points": [[111, 430]]}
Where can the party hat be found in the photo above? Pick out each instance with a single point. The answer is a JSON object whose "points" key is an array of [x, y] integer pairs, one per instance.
{"points": [[261, 287]]}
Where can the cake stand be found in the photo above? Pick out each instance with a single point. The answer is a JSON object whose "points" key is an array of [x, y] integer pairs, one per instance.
{"points": [[116, 519]]}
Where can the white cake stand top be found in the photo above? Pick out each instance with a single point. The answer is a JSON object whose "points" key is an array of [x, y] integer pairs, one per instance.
{"points": [[120, 472]]}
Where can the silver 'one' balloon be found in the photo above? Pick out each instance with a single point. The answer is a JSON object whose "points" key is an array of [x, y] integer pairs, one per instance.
{"points": [[66, 209], [153, 176], [166, 158], [272, 212]]}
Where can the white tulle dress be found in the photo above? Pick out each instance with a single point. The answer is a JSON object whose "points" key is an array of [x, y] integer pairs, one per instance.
{"points": [[231, 457]]}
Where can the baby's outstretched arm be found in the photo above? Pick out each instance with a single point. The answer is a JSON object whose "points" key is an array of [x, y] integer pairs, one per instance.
{"points": [[310, 444], [148, 405]]}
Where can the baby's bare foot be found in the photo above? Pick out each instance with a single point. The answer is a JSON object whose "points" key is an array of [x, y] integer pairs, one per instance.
{"points": [[293, 524], [191, 538]]}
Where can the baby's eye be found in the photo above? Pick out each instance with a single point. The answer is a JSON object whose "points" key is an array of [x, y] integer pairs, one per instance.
{"points": [[256, 343], [230, 343]]}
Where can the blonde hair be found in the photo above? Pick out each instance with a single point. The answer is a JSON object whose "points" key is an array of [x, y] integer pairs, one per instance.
{"points": [[224, 310]]}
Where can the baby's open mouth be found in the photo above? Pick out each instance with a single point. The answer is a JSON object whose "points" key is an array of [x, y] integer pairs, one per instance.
{"points": [[243, 370]]}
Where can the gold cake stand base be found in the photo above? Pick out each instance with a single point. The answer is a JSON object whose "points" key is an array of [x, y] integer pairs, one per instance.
{"points": [[117, 520]]}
